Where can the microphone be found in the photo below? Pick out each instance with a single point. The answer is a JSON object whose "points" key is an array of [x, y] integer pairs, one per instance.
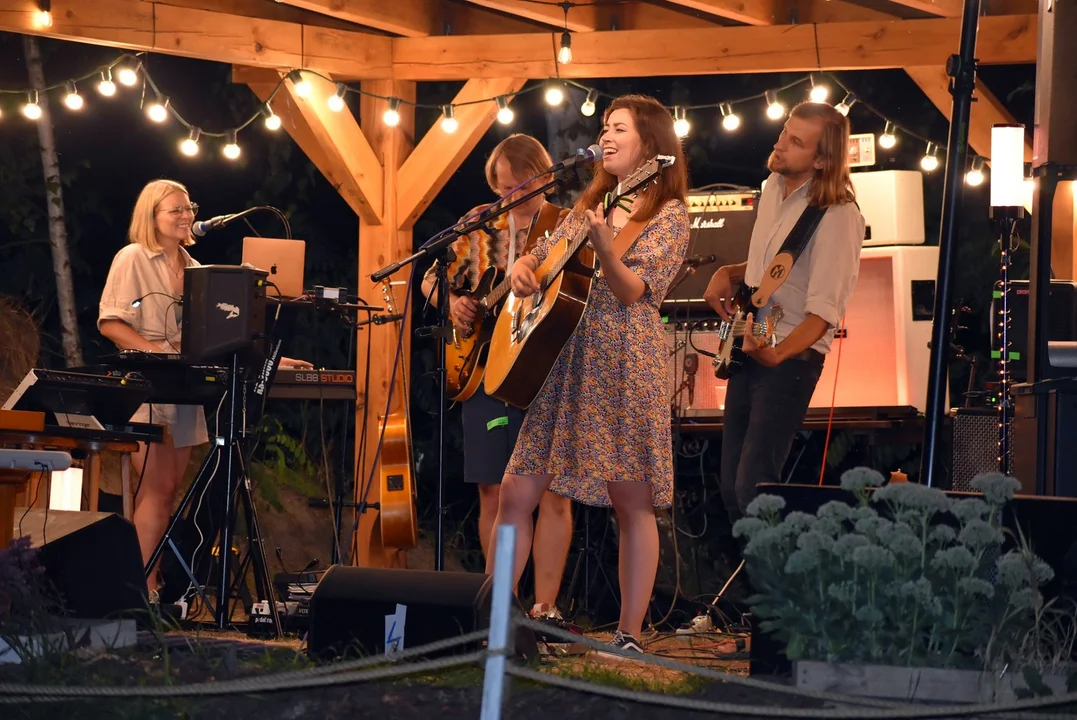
{"points": [[201, 227], [698, 260], [691, 365], [582, 157], [382, 319]]}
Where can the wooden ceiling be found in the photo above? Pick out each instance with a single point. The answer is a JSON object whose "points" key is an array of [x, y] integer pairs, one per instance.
{"points": [[462, 39]]}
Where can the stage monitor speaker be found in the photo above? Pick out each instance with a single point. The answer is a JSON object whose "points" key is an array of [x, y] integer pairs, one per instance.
{"points": [[91, 558], [975, 447], [362, 610], [223, 311], [721, 225], [1061, 324], [1045, 436], [892, 203]]}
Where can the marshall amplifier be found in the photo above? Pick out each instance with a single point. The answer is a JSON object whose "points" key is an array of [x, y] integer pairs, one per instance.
{"points": [[223, 311], [721, 225]]}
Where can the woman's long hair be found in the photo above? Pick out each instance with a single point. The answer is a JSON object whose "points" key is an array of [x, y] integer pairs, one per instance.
{"points": [[831, 184], [655, 127]]}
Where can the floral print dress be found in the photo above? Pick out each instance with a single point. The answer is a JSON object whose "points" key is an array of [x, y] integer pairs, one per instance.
{"points": [[603, 414]]}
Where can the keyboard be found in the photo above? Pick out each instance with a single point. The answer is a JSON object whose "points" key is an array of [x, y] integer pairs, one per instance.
{"points": [[289, 384]]}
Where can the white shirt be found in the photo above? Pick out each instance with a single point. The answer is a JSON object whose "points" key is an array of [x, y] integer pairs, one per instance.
{"points": [[823, 277]]}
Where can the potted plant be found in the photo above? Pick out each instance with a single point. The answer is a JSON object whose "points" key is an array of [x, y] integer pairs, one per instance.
{"points": [[899, 579]]}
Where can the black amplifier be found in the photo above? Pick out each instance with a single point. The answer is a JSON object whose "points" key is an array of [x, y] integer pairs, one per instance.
{"points": [[721, 223]]}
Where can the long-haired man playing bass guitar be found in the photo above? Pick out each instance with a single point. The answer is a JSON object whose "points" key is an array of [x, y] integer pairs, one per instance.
{"points": [[767, 399]]}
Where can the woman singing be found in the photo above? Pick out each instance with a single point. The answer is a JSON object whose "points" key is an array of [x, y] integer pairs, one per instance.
{"points": [[599, 430], [150, 269]]}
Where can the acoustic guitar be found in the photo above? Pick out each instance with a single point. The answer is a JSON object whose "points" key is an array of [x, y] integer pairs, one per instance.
{"points": [[397, 517], [466, 353], [531, 332], [730, 356]]}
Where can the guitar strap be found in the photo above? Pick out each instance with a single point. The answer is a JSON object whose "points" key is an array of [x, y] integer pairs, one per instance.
{"points": [[544, 223], [626, 237], [791, 249]]}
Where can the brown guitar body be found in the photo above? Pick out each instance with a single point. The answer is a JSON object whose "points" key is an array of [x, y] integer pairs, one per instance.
{"points": [[531, 332], [465, 356], [399, 526]]}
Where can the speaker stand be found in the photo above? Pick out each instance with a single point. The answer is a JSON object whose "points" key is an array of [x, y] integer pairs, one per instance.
{"points": [[227, 451], [590, 552]]}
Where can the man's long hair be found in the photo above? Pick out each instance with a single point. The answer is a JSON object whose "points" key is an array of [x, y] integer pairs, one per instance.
{"points": [[831, 184], [657, 137]]}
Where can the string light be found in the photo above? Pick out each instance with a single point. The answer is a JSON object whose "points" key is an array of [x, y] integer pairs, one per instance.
{"points": [[189, 146], [127, 69], [448, 119], [564, 53], [72, 99], [231, 148], [43, 15]]}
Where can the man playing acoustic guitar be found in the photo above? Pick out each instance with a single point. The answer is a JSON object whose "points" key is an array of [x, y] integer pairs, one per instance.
{"points": [[490, 425], [768, 397]]}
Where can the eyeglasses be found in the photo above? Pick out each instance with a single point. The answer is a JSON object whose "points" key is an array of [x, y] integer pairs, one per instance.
{"points": [[179, 211]]}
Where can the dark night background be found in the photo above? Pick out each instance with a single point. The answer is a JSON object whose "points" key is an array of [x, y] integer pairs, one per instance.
{"points": [[109, 150]]}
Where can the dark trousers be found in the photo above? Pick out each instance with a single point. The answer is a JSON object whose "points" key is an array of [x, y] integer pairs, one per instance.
{"points": [[764, 409]]}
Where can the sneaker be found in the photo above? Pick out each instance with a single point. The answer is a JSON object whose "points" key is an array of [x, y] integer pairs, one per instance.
{"points": [[154, 597], [626, 643], [550, 645]]}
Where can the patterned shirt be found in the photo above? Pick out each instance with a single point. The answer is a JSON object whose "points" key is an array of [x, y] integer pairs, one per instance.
{"points": [[487, 247]]}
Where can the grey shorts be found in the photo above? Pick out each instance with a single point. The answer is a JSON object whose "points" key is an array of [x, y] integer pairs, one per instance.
{"points": [[186, 424]]}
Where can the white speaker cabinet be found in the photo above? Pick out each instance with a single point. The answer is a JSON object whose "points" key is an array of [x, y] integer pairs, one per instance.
{"points": [[884, 354], [892, 202]]}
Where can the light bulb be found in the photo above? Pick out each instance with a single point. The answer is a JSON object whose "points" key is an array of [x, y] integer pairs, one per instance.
{"points": [[564, 53], [819, 93], [189, 146], [681, 126], [336, 101], [588, 107], [72, 99], [106, 87], [231, 148], [158, 111], [449, 123], [730, 120], [554, 96], [31, 110], [888, 139], [43, 19], [391, 116], [302, 87], [775, 110], [127, 76], [505, 115]]}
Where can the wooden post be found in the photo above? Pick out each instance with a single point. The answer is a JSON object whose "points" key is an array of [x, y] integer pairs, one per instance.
{"points": [[380, 245]]}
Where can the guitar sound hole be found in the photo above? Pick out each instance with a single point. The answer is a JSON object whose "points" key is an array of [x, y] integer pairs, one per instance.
{"points": [[394, 483]]}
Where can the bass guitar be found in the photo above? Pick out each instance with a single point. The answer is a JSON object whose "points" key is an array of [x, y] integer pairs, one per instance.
{"points": [[730, 355], [532, 331], [397, 516], [466, 353]]}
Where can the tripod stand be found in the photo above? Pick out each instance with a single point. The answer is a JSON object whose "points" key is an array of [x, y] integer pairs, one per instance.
{"points": [[227, 451]]}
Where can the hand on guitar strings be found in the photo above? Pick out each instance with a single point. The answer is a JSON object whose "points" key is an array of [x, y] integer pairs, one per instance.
{"points": [[719, 294], [598, 232], [764, 354], [462, 309], [523, 280]]}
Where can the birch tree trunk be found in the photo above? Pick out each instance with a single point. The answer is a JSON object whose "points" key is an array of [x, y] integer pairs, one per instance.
{"points": [[50, 161]]}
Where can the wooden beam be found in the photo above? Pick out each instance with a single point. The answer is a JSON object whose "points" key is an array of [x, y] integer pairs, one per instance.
{"points": [[828, 11], [415, 18], [750, 12], [262, 9], [439, 154], [1001, 40], [942, 8], [355, 170], [986, 111], [204, 34], [708, 51], [581, 18], [380, 245]]}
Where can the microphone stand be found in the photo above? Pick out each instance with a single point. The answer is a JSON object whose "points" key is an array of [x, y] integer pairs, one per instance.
{"points": [[439, 246]]}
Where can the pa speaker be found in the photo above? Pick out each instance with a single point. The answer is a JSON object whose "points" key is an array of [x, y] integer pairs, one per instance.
{"points": [[357, 611], [91, 558], [223, 310]]}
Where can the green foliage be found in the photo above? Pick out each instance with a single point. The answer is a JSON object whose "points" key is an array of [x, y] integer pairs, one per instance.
{"points": [[903, 575], [284, 462]]}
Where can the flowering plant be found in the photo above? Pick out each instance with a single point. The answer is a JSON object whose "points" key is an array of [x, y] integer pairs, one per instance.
{"points": [[901, 575]]}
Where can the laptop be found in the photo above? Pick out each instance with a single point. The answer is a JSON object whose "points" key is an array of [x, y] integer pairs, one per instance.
{"points": [[282, 259]]}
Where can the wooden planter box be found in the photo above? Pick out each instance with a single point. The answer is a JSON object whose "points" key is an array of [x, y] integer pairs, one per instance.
{"points": [[912, 684], [86, 634]]}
